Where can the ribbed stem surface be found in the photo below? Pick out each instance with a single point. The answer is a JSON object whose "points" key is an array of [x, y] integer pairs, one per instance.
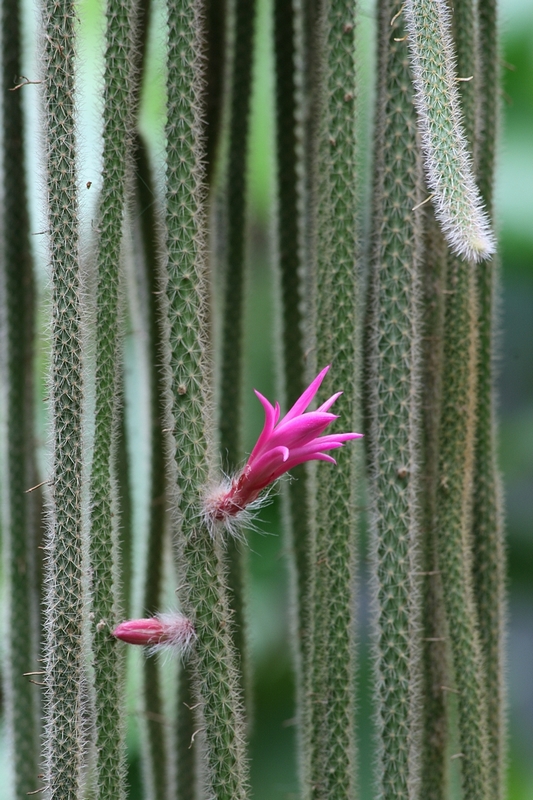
{"points": [[64, 600], [203, 591], [395, 351], [333, 682]]}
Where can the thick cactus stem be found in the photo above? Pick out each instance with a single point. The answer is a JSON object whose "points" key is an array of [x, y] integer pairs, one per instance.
{"points": [[19, 520], [333, 681], [394, 365], [203, 589], [64, 598], [455, 196]]}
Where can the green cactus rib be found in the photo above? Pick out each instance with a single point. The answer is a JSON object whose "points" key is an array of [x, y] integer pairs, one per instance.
{"points": [[456, 198], [200, 557], [488, 534], [435, 724], [240, 39], [394, 359], [103, 549], [155, 744], [19, 528], [332, 738], [64, 598]]}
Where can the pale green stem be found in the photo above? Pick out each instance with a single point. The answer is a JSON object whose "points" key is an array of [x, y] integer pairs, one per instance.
{"points": [[455, 196]]}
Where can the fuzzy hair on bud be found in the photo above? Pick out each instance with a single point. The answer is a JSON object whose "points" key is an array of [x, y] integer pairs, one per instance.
{"points": [[163, 632]]}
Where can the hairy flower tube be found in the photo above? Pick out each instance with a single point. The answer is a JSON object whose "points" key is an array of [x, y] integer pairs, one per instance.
{"points": [[162, 631], [282, 445]]}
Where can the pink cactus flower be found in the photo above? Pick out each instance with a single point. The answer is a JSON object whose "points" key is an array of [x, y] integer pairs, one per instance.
{"points": [[281, 446], [163, 630]]}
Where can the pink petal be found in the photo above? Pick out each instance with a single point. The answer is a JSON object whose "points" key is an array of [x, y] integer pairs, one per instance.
{"points": [[266, 465], [271, 417], [305, 399], [327, 405], [301, 429]]}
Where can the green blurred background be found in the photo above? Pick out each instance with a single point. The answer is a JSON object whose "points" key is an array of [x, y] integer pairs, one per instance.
{"points": [[273, 732]]}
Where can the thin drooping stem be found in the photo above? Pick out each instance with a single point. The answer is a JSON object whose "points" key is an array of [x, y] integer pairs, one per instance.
{"points": [[64, 578], [241, 13], [395, 358], [203, 590], [19, 529], [119, 97], [155, 744], [216, 31], [240, 39], [333, 654], [448, 164], [455, 477], [435, 724], [488, 544], [292, 226]]}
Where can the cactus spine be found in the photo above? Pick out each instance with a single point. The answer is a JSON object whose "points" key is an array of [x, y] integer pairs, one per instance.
{"points": [[489, 552], [456, 199], [64, 580], [19, 538], [394, 412], [333, 689], [200, 559]]}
